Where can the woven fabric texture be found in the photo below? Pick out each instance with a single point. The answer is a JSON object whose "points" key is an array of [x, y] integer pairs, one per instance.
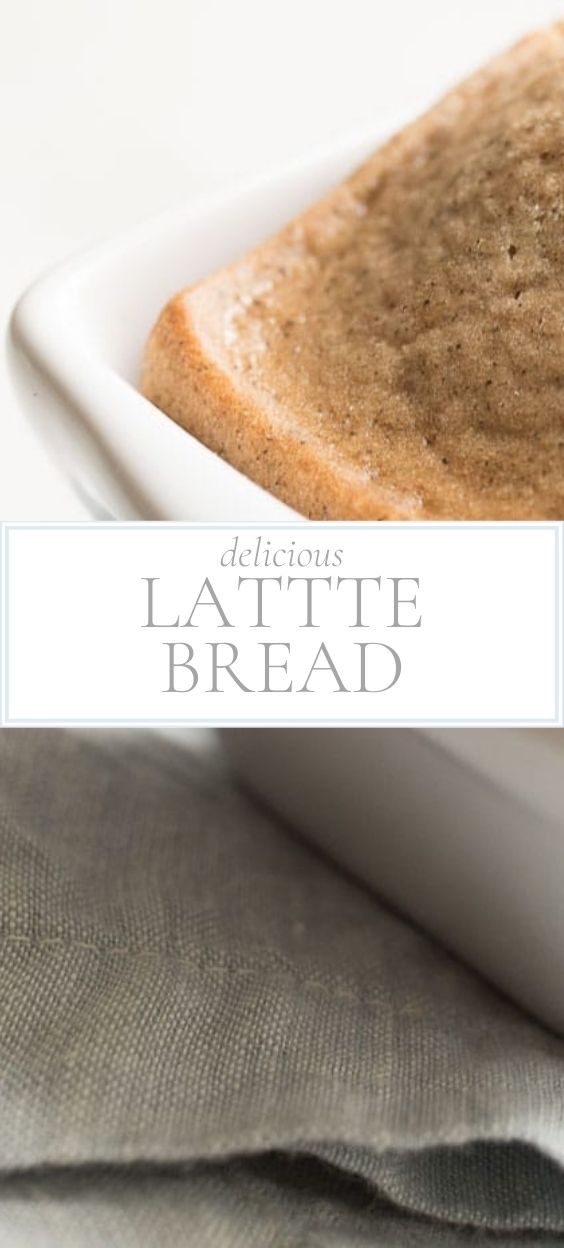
{"points": [[210, 1036]]}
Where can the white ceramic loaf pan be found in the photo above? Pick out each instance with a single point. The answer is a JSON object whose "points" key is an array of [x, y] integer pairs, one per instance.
{"points": [[462, 830], [78, 335]]}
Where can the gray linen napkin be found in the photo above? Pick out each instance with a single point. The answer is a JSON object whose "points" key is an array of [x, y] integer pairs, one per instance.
{"points": [[210, 1036]]}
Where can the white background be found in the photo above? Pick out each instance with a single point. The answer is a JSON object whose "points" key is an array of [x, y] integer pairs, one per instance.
{"points": [[486, 648], [115, 109]]}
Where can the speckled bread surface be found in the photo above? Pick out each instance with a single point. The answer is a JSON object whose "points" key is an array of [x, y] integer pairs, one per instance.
{"points": [[397, 352]]}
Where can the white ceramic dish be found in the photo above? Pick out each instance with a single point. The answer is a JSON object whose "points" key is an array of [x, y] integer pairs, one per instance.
{"points": [[463, 830], [78, 334]]}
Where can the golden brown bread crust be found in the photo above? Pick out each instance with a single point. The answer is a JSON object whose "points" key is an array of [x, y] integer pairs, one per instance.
{"points": [[398, 351]]}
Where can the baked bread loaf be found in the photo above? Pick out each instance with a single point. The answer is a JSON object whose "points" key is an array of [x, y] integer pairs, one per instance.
{"points": [[397, 352]]}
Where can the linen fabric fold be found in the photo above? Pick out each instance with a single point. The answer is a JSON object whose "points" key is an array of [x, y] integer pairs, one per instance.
{"points": [[210, 1035]]}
